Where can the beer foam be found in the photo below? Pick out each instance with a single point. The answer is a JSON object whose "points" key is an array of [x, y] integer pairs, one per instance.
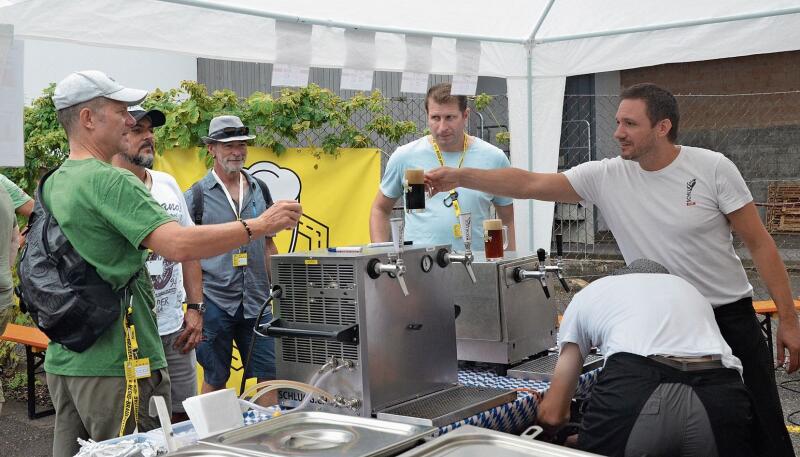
{"points": [[415, 176], [493, 224]]}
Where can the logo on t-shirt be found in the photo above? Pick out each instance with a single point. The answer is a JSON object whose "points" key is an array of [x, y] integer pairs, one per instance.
{"points": [[162, 280], [689, 186]]}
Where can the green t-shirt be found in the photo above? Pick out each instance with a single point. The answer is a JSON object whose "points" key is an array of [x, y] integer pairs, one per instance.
{"points": [[7, 222], [18, 196], [106, 212]]}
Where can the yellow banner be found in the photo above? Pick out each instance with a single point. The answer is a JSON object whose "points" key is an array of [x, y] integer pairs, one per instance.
{"points": [[336, 194]]}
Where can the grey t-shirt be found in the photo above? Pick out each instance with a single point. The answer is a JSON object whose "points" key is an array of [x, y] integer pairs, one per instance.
{"points": [[223, 284]]}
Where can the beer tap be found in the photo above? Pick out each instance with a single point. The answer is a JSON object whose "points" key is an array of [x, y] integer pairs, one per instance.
{"points": [[395, 268], [521, 274], [558, 268], [445, 258]]}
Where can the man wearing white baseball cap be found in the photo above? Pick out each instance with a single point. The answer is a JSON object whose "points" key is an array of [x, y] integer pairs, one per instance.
{"points": [[110, 219]]}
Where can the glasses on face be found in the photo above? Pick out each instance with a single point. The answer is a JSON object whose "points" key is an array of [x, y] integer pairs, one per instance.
{"points": [[229, 132]]}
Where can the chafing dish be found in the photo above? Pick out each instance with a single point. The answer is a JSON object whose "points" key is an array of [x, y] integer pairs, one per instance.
{"points": [[320, 434], [470, 441]]}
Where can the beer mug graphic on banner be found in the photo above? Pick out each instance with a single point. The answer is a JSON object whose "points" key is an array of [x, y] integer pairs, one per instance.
{"points": [[495, 238]]}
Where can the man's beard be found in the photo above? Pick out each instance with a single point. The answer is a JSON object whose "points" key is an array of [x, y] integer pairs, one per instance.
{"points": [[232, 168], [140, 160]]}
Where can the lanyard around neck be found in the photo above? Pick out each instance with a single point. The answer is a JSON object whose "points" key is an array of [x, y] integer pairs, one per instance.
{"points": [[453, 197], [439, 152], [236, 211]]}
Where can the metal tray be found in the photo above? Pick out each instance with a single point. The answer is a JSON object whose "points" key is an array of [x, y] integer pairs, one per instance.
{"points": [[447, 406], [470, 441], [542, 369], [320, 434]]}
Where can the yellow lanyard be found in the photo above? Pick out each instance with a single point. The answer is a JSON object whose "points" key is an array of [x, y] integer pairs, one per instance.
{"points": [[131, 382], [453, 194]]}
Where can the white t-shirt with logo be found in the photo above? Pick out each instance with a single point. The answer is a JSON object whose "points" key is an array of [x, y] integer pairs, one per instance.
{"points": [[167, 276], [644, 314], [675, 216]]}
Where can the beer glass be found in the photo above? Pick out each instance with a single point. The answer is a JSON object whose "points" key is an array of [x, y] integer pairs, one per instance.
{"points": [[414, 189], [495, 238]]}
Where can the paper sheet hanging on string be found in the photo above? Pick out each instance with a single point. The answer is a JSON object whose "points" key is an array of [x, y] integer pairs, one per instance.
{"points": [[468, 58], [12, 102], [418, 65], [292, 54], [359, 61]]}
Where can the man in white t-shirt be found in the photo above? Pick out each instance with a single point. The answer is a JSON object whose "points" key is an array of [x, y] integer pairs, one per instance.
{"points": [[676, 205], [670, 385], [173, 282]]}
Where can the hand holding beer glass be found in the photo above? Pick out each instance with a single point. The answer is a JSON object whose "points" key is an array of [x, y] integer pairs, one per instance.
{"points": [[414, 189], [495, 238]]}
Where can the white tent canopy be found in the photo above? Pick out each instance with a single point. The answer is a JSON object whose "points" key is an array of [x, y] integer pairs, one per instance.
{"points": [[535, 44]]}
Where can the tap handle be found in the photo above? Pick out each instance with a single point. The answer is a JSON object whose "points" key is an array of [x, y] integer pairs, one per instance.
{"points": [[540, 254], [559, 245], [398, 226], [563, 281], [545, 289], [470, 272], [403, 286], [465, 219]]}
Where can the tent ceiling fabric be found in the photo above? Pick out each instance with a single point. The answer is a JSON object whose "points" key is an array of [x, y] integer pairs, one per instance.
{"points": [[206, 32], [507, 19]]}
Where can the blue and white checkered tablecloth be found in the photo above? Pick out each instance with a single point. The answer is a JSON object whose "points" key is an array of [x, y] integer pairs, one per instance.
{"points": [[515, 416], [512, 417]]}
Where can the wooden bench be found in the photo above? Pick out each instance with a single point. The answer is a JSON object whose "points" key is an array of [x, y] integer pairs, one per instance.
{"points": [[767, 308], [35, 346]]}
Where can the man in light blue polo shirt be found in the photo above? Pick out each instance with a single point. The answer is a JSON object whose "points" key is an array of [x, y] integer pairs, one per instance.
{"points": [[447, 118]]}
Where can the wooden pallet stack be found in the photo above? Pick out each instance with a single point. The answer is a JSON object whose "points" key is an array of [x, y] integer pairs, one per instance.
{"points": [[783, 208]]}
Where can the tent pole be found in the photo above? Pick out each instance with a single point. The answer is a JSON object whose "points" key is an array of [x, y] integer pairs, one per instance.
{"points": [[529, 48], [672, 25], [213, 5]]}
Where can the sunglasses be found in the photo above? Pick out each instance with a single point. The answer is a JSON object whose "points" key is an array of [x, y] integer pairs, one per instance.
{"points": [[229, 132]]}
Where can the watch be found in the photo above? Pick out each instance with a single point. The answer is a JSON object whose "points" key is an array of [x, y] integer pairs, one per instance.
{"points": [[199, 307]]}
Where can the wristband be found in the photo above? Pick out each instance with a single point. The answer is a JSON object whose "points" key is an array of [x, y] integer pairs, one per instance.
{"points": [[249, 232], [199, 307]]}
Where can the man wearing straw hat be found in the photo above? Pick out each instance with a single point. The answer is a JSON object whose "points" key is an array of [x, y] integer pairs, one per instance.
{"points": [[235, 283]]}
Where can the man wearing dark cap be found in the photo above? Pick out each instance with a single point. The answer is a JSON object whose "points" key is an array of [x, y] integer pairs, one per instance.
{"points": [[110, 219], [670, 385], [173, 282], [236, 283]]}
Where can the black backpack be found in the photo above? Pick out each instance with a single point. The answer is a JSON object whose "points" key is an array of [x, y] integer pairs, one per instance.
{"points": [[197, 199], [62, 292]]}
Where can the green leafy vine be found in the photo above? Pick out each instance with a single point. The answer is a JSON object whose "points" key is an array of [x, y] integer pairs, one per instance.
{"points": [[299, 117]]}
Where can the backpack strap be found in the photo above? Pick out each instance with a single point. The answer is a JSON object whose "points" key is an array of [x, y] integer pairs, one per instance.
{"points": [[40, 190], [265, 192], [45, 212], [197, 203]]}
